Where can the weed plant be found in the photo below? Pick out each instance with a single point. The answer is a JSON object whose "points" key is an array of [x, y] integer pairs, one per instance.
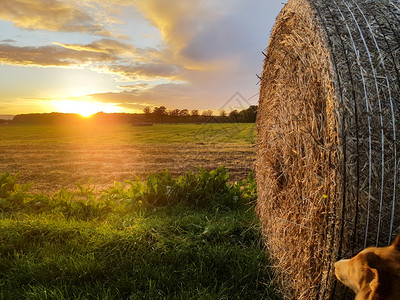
{"points": [[192, 237]]}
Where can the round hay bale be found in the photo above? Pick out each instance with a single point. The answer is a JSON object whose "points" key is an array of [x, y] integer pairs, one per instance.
{"points": [[328, 125]]}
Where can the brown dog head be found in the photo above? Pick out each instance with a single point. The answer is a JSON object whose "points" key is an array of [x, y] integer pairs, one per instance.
{"points": [[374, 273]]}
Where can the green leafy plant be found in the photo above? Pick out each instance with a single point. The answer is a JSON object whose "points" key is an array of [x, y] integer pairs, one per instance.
{"points": [[191, 237], [201, 189]]}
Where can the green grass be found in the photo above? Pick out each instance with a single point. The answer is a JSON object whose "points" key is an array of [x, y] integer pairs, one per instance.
{"points": [[127, 134], [192, 237]]}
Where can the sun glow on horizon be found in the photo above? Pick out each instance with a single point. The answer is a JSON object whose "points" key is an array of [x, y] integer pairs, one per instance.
{"points": [[85, 108]]}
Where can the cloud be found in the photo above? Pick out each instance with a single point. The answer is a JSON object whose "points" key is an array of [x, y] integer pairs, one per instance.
{"points": [[107, 3], [174, 94], [51, 15], [49, 56], [179, 23], [112, 47], [198, 37], [104, 56], [134, 87], [8, 41], [131, 63], [206, 38], [212, 33], [146, 71], [218, 45], [128, 62], [177, 20]]}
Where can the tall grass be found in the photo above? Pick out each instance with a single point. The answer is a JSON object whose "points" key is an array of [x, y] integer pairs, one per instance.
{"points": [[192, 237]]}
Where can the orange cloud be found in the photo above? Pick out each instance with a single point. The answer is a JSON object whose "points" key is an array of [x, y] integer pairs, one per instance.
{"points": [[177, 20], [180, 22], [104, 56], [107, 3], [174, 94], [52, 15], [146, 71], [131, 63], [108, 46], [49, 56]]}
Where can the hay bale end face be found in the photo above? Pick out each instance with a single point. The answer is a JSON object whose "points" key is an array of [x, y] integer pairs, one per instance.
{"points": [[328, 129]]}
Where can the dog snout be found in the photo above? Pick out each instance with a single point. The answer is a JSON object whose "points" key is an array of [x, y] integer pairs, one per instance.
{"points": [[338, 268]]}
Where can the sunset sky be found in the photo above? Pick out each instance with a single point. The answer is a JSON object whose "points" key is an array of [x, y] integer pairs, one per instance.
{"points": [[85, 56]]}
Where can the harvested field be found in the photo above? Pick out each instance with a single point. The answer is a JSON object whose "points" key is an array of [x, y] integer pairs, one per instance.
{"points": [[55, 157]]}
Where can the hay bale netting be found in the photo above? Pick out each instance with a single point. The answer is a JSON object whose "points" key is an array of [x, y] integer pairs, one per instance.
{"points": [[328, 127]]}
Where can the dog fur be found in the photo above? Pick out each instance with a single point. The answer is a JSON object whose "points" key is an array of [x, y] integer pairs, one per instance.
{"points": [[374, 273]]}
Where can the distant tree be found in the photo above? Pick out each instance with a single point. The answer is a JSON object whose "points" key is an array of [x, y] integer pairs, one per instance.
{"points": [[252, 113], [222, 113], [248, 115], [253, 108], [160, 111], [147, 110], [184, 113], [194, 113], [233, 115], [207, 113], [174, 112]]}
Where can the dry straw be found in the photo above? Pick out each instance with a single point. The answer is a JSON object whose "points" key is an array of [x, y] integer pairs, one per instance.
{"points": [[328, 127]]}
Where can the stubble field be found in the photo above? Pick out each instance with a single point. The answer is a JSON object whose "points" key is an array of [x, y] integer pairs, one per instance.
{"points": [[61, 156]]}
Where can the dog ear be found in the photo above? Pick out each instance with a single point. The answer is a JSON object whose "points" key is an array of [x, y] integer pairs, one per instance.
{"points": [[373, 263], [374, 285], [372, 260], [377, 277], [396, 243]]}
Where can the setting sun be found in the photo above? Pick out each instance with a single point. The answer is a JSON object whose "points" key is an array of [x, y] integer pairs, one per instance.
{"points": [[85, 108]]}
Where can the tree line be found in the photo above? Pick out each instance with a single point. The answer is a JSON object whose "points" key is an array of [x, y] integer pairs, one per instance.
{"points": [[162, 114], [157, 115]]}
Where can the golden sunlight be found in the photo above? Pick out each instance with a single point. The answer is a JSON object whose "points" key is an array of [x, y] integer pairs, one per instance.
{"points": [[84, 108]]}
